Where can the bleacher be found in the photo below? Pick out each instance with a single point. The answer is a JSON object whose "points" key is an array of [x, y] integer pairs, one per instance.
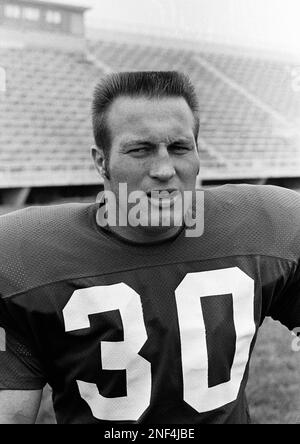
{"points": [[269, 80], [249, 112], [45, 118]]}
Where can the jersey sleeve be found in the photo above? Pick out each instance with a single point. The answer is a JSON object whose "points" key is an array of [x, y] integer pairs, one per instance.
{"points": [[20, 369], [284, 220], [286, 307]]}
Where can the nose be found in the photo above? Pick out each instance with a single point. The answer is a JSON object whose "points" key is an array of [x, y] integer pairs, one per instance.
{"points": [[162, 168]]}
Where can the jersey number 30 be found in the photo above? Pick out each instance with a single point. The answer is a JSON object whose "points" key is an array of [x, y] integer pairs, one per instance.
{"points": [[124, 355]]}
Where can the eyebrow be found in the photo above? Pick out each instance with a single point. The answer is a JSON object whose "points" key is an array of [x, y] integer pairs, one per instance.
{"points": [[134, 143], [147, 143], [186, 140]]}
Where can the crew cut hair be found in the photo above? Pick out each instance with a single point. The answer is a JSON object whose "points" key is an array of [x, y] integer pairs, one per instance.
{"points": [[149, 84]]}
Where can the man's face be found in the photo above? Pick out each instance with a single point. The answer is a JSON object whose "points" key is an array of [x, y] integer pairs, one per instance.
{"points": [[153, 147]]}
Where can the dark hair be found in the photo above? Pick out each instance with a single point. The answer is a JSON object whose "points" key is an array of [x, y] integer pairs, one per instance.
{"points": [[156, 84]]}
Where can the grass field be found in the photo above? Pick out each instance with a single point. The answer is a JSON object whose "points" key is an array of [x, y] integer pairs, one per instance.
{"points": [[274, 383]]}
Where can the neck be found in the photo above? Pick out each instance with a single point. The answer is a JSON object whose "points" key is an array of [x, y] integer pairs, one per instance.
{"points": [[138, 234], [142, 236]]}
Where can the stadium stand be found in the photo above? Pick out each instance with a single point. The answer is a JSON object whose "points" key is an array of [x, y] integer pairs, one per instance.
{"points": [[249, 112], [45, 118]]}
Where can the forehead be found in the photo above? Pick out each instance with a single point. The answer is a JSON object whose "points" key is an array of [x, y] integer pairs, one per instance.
{"points": [[150, 118]]}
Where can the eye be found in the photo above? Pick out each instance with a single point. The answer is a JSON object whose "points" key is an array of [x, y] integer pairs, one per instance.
{"points": [[180, 149], [139, 151]]}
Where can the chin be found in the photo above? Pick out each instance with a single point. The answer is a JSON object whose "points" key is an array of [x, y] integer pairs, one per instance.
{"points": [[165, 224]]}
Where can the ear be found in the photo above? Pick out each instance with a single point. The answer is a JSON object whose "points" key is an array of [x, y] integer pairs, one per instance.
{"points": [[198, 152], [99, 159]]}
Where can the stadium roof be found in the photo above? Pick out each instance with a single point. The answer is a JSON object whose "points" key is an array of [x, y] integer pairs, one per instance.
{"points": [[80, 6], [250, 113]]}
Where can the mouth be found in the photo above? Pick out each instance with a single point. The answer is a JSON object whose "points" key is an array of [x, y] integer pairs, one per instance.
{"points": [[163, 198]]}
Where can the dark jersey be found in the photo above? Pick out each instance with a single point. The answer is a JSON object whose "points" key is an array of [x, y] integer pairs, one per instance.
{"points": [[157, 333]]}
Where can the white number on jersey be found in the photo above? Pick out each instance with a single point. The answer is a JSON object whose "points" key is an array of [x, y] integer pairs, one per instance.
{"points": [[115, 355], [124, 355], [193, 338], [2, 340]]}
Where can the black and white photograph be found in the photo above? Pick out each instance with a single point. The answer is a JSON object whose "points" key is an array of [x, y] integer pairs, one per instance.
{"points": [[149, 214]]}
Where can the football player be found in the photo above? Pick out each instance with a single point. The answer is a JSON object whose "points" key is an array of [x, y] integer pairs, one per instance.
{"points": [[140, 323]]}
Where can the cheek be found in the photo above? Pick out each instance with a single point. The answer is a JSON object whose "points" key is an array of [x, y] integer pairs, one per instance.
{"points": [[127, 171], [190, 168]]}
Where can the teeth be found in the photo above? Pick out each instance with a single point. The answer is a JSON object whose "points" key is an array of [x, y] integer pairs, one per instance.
{"points": [[163, 198], [162, 195]]}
